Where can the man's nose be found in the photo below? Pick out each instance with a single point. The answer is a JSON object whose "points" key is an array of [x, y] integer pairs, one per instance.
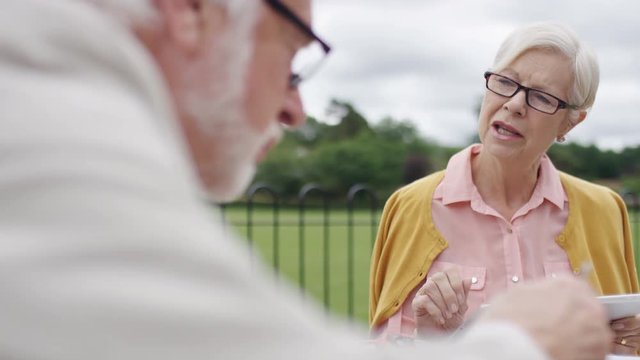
{"points": [[292, 114]]}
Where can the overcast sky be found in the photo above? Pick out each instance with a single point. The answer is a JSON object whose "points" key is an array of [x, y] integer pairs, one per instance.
{"points": [[423, 60]]}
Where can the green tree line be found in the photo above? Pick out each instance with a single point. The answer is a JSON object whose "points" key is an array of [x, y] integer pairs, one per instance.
{"points": [[391, 152]]}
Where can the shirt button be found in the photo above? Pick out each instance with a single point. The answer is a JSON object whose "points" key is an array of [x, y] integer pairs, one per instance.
{"points": [[510, 230], [474, 280], [515, 279]]}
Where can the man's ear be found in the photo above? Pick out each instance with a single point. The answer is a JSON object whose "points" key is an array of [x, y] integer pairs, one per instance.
{"points": [[183, 22]]}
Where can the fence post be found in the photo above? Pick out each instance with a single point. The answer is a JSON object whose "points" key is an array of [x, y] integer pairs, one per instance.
{"points": [[251, 193], [353, 191], [302, 196]]}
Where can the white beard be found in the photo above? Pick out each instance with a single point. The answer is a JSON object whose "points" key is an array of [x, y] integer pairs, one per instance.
{"points": [[235, 165], [213, 98]]}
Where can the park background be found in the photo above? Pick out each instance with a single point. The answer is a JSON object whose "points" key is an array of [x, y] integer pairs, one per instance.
{"points": [[313, 210], [398, 95]]}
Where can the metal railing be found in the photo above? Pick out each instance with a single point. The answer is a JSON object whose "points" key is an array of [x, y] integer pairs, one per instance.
{"points": [[265, 211], [288, 224]]}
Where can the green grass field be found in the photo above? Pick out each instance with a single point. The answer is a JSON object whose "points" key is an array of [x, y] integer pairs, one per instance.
{"points": [[320, 272], [325, 252]]}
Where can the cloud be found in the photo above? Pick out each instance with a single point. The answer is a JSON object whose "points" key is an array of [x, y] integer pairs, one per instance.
{"points": [[423, 60]]}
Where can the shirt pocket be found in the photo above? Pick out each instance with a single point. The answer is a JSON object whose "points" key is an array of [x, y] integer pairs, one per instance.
{"points": [[553, 269], [477, 274]]}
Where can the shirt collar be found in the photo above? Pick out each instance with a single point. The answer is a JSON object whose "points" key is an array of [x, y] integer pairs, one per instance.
{"points": [[549, 183], [457, 184]]}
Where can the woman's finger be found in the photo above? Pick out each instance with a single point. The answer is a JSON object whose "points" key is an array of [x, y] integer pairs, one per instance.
{"points": [[629, 324], [447, 293], [622, 347], [432, 289], [423, 306], [457, 286]]}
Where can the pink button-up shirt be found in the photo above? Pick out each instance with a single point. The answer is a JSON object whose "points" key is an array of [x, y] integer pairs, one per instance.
{"points": [[494, 252]]}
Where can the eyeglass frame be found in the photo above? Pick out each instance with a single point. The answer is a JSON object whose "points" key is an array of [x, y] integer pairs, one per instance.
{"points": [[288, 14], [561, 103]]}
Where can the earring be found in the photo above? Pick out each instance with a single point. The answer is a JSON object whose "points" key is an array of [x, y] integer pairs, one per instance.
{"points": [[560, 139]]}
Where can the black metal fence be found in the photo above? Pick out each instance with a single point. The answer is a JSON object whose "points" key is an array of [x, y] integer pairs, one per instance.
{"points": [[323, 242], [335, 233]]}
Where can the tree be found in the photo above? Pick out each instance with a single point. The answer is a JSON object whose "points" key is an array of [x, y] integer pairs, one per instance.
{"points": [[415, 167], [340, 165], [351, 124], [392, 152]]}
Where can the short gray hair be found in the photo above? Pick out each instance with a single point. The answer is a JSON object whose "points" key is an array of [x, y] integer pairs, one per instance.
{"points": [[556, 37]]}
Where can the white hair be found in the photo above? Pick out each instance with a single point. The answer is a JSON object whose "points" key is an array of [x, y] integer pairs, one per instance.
{"points": [[142, 11], [234, 48], [212, 92], [229, 68], [130, 12], [559, 38]]}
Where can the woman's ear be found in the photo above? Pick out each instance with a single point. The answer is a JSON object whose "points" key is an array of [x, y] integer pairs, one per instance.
{"points": [[575, 118], [183, 21], [581, 114]]}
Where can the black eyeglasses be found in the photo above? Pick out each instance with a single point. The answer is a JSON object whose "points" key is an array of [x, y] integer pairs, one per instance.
{"points": [[308, 59], [536, 99]]}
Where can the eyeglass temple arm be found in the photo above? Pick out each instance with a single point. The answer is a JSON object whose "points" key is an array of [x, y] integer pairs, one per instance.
{"points": [[281, 8]]}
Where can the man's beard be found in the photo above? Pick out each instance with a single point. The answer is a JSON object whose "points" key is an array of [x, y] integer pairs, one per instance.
{"points": [[232, 169], [216, 107]]}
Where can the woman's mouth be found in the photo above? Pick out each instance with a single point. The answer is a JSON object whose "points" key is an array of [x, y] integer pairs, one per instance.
{"points": [[505, 131]]}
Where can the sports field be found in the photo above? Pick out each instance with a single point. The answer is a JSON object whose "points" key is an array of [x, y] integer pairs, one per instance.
{"points": [[326, 250]]}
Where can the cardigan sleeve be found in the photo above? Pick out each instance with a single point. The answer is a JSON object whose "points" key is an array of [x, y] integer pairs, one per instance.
{"points": [[598, 232], [628, 244], [401, 256], [378, 265]]}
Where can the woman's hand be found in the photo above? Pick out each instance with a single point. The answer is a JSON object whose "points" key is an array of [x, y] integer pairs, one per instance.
{"points": [[441, 302], [627, 335]]}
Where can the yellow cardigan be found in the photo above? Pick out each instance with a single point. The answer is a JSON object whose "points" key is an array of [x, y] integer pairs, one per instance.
{"points": [[597, 231]]}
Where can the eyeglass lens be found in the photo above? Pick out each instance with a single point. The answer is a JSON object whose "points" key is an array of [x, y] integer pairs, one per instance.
{"points": [[536, 99]]}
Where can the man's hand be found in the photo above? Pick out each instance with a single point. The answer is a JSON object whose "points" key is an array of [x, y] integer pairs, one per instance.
{"points": [[441, 302], [561, 315]]}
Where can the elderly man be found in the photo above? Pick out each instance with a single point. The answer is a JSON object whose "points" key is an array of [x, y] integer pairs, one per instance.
{"points": [[117, 116]]}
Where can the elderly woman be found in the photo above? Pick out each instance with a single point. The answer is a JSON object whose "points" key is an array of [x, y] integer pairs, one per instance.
{"points": [[500, 213]]}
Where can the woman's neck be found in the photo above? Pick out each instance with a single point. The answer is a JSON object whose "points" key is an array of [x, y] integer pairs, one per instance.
{"points": [[505, 185]]}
